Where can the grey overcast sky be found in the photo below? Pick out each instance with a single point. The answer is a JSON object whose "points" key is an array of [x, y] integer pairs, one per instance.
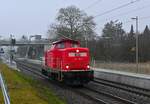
{"points": [[29, 17]]}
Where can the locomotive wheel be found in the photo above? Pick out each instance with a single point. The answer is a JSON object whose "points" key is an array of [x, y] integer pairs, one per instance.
{"points": [[51, 76], [44, 72]]}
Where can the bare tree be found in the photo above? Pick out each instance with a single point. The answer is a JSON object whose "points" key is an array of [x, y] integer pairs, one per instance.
{"points": [[73, 23]]}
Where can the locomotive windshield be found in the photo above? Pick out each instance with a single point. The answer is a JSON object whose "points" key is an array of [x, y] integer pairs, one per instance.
{"points": [[66, 44], [74, 45]]}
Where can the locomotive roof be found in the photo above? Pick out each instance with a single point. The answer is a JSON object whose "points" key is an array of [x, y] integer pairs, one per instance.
{"points": [[66, 40]]}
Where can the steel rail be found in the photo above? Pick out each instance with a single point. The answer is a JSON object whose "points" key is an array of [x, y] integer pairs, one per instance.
{"points": [[25, 67], [123, 100], [36, 71], [125, 87], [128, 88], [117, 98], [98, 100]]}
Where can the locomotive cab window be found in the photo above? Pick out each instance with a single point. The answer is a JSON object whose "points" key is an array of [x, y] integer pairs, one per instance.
{"points": [[60, 45]]}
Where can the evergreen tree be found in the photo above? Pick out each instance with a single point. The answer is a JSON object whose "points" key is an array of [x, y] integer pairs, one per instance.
{"points": [[113, 29], [131, 46], [113, 34], [144, 42]]}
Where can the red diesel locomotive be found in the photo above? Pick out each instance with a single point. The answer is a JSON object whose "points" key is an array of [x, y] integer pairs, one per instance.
{"points": [[68, 62]]}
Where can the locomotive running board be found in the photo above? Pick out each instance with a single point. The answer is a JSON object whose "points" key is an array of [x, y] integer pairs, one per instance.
{"points": [[76, 70]]}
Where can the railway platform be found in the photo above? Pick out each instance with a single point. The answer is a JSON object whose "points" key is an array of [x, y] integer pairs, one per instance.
{"points": [[133, 79]]}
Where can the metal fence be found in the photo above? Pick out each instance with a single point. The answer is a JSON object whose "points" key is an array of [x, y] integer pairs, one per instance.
{"points": [[4, 91]]}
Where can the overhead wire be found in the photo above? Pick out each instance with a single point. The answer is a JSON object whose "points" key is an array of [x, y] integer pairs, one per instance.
{"points": [[92, 5], [128, 12], [141, 18], [147, 17], [117, 8]]}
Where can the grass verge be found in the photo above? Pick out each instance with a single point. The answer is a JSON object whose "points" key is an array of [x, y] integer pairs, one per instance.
{"points": [[1, 98], [26, 90]]}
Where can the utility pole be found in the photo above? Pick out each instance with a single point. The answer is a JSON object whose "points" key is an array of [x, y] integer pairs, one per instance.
{"points": [[137, 60], [85, 37], [10, 57]]}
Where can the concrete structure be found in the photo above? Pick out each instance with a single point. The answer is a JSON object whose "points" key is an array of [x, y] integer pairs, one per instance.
{"points": [[23, 43], [36, 47], [133, 79]]}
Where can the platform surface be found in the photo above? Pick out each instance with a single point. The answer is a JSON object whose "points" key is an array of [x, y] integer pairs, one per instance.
{"points": [[122, 73]]}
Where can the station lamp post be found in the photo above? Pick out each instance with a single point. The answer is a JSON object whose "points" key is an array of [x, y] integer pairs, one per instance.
{"points": [[12, 50], [137, 60]]}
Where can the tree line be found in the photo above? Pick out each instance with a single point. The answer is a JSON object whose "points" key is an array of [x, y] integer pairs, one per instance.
{"points": [[114, 44], [118, 46]]}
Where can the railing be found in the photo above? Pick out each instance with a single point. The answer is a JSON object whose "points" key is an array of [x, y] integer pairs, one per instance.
{"points": [[36, 42], [4, 91]]}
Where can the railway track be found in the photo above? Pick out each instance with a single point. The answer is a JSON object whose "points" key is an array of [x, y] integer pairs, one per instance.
{"points": [[37, 72], [114, 99], [96, 98], [125, 87], [120, 91], [101, 97], [129, 88]]}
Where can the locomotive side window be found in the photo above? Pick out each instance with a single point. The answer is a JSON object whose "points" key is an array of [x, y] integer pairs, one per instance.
{"points": [[61, 45]]}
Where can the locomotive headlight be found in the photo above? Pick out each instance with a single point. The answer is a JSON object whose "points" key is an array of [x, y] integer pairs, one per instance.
{"points": [[77, 50], [88, 66], [67, 67]]}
